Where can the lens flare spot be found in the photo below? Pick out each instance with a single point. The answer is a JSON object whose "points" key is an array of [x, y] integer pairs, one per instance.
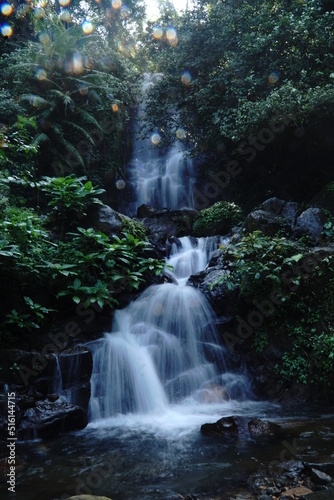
{"points": [[125, 12], [44, 38], [87, 27], [65, 16], [155, 138], [120, 184], [64, 3], [6, 9], [41, 74], [83, 89], [39, 13], [158, 32], [273, 77], [78, 66], [186, 78], [6, 30], [181, 134], [33, 101], [117, 4], [172, 37], [115, 108]]}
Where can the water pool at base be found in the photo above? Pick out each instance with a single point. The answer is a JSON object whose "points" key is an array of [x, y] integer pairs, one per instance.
{"points": [[158, 457]]}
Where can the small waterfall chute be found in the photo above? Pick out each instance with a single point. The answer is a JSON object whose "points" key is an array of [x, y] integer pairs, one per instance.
{"points": [[164, 347]]}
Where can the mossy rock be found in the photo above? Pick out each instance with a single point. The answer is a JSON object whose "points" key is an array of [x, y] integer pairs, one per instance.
{"points": [[217, 220]]}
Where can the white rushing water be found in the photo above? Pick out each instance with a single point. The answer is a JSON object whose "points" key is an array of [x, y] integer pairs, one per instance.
{"points": [[159, 178], [163, 352]]}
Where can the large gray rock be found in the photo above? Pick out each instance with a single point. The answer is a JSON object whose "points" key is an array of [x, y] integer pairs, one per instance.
{"points": [[160, 228], [311, 223], [109, 221], [267, 222], [274, 215], [47, 419]]}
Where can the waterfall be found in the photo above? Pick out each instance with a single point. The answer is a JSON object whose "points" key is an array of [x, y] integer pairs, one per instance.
{"points": [[163, 348], [158, 178]]}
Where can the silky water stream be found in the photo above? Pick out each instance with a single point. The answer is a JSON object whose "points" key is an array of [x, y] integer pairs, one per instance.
{"points": [[158, 376]]}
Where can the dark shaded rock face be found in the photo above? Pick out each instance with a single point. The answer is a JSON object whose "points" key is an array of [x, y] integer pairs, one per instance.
{"points": [[310, 223], [229, 426], [267, 222], [275, 215], [40, 384], [76, 365], [47, 419], [166, 223]]}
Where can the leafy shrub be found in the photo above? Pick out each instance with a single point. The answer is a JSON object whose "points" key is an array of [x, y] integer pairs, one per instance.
{"points": [[301, 323], [218, 219]]}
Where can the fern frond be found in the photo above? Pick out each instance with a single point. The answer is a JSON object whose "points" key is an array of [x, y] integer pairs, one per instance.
{"points": [[40, 138], [35, 100], [89, 119], [79, 129]]}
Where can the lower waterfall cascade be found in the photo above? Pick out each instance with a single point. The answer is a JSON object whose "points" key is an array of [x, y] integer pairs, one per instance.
{"points": [[164, 348]]}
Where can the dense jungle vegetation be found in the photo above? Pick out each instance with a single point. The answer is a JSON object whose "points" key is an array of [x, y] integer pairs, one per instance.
{"points": [[247, 86]]}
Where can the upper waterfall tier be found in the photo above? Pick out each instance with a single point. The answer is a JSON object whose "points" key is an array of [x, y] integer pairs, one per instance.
{"points": [[158, 178]]}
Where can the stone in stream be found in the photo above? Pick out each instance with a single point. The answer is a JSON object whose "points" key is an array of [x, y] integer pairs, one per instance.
{"points": [[319, 477], [297, 492], [47, 419], [228, 426]]}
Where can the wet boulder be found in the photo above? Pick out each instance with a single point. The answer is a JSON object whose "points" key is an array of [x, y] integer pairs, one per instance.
{"points": [[47, 419], [241, 426], [310, 223]]}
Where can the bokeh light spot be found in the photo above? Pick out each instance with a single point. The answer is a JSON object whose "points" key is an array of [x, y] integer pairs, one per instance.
{"points": [[155, 138], [64, 3], [6, 30], [39, 13], [120, 184], [41, 74], [172, 37], [78, 66], [65, 16], [158, 32], [44, 38], [186, 78], [6, 9], [115, 108], [273, 77], [117, 4], [83, 89], [181, 134], [87, 27]]}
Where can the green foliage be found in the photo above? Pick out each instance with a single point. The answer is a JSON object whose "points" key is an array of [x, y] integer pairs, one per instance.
{"points": [[292, 290], [41, 275], [137, 229], [218, 219], [255, 264]]}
